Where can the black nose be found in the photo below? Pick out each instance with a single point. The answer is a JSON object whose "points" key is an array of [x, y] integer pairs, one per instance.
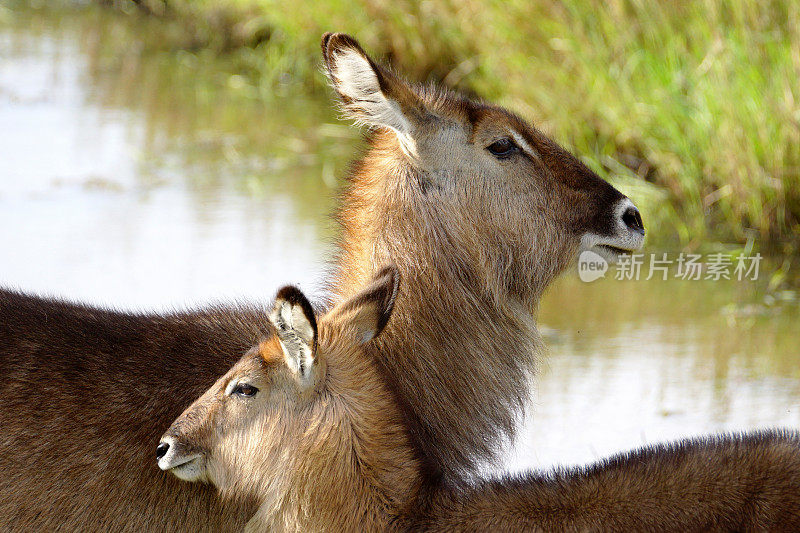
{"points": [[633, 220], [162, 450]]}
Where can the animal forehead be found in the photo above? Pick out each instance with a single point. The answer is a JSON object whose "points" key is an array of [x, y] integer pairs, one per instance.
{"points": [[487, 123], [496, 119], [478, 116], [268, 352], [258, 358]]}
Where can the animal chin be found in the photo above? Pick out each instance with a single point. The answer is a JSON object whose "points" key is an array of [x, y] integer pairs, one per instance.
{"points": [[610, 252], [615, 249], [191, 470], [611, 247]]}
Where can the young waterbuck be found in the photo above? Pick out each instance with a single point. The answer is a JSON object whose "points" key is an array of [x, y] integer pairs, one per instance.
{"points": [[306, 425], [480, 212]]}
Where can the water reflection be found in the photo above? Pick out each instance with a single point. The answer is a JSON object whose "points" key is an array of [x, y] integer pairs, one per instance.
{"points": [[641, 362], [153, 180]]}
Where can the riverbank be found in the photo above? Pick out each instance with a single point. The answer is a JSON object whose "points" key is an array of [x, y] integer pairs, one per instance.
{"points": [[694, 109]]}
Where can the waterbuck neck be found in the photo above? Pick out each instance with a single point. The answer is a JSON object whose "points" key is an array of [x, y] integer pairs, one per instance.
{"points": [[459, 349], [353, 467]]}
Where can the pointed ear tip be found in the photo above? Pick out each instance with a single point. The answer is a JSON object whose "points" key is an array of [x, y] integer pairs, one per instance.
{"points": [[333, 42], [290, 294], [326, 37], [295, 297]]}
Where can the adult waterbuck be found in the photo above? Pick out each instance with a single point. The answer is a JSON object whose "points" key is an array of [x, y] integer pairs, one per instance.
{"points": [[307, 425], [479, 211]]}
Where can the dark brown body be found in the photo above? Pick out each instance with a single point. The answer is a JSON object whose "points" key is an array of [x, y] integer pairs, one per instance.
{"points": [[745, 482], [85, 396]]}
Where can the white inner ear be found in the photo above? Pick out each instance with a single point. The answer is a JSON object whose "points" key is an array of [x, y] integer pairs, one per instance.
{"points": [[301, 325], [357, 81], [367, 335], [296, 336]]}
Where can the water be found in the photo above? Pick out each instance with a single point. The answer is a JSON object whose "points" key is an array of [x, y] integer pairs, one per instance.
{"points": [[114, 191], [153, 180]]}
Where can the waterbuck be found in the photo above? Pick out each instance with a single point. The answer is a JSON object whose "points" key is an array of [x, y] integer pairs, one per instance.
{"points": [[306, 425], [479, 211]]}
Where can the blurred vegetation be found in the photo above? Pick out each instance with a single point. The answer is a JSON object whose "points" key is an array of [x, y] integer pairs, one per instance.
{"points": [[692, 108]]}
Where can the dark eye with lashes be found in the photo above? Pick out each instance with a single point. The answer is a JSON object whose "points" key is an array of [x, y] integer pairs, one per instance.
{"points": [[503, 148], [244, 390]]}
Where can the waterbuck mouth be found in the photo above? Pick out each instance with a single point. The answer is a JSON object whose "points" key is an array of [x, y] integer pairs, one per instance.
{"points": [[611, 248], [174, 463], [174, 457], [615, 250], [190, 469], [610, 252]]}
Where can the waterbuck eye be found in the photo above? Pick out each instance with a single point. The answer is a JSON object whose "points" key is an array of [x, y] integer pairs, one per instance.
{"points": [[502, 148], [245, 390]]}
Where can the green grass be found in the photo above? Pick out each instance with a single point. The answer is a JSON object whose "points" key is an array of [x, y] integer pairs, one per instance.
{"points": [[693, 108]]}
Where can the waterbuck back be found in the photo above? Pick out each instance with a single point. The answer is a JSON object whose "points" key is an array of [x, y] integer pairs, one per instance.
{"points": [[740, 482], [84, 398]]}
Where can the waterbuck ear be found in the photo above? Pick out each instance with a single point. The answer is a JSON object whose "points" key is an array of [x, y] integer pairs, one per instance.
{"points": [[296, 327], [370, 310], [371, 94]]}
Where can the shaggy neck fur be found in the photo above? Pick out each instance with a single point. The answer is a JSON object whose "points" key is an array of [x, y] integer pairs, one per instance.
{"points": [[460, 346], [351, 466]]}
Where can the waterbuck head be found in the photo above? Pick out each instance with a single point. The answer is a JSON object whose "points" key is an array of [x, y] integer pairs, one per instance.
{"points": [[514, 206], [303, 422]]}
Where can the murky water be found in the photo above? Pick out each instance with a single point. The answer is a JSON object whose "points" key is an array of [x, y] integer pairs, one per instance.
{"points": [[154, 180]]}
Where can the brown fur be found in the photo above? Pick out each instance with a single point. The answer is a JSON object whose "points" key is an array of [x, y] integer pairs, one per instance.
{"points": [[84, 398], [477, 242], [336, 457], [333, 457], [748, 482]]}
